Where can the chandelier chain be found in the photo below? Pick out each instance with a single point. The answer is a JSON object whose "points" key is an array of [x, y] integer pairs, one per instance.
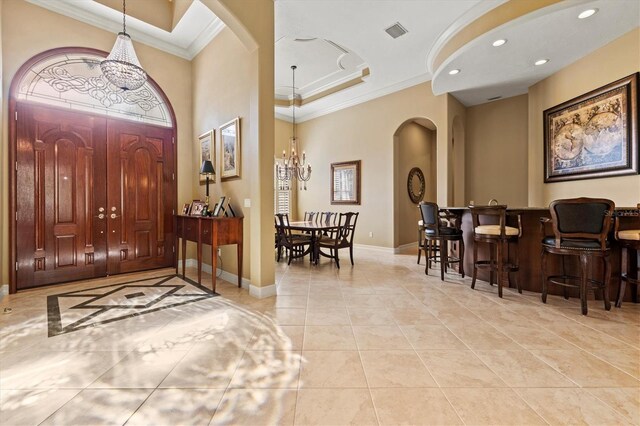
{"points": [[124, 16]]}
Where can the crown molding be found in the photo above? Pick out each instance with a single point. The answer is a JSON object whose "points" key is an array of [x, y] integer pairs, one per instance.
{"points": [[67, 8], [422, 78], [468, 17]]}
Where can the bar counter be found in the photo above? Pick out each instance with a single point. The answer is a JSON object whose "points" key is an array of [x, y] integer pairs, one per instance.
{"points": [[530, 249]]}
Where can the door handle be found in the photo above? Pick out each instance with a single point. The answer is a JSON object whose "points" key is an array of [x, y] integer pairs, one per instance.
{"points": [[100, 216], [113, 215]]}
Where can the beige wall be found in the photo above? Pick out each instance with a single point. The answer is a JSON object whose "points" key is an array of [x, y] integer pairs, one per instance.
{"points": [[496, 152], [365, 132], [456, 142], [253, 23], [28, 30], [4, 230], [618, 59], [221, 92], [415, 146]]}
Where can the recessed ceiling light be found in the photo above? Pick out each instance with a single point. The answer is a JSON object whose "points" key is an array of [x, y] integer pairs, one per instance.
{"points": [[499, 42], [541, 61], [587, 13], [454, 72]]}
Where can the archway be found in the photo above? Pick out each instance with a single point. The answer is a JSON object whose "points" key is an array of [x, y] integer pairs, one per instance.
{"points": [[414, 145], [94, 188]]}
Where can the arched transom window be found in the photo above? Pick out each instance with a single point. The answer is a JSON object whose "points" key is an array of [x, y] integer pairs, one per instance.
{"points": [[75, 81]]}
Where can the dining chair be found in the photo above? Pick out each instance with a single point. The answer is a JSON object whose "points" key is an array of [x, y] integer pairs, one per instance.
{"points": [[342, 238], [580, 228], [297, 245]]}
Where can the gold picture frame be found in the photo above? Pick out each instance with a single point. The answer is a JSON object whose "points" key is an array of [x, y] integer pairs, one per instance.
{"points": [[345, 182], [207, 151], [230, 149]]}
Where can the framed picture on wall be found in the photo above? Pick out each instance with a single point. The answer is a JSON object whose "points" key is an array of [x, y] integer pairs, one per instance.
{"points": [[230, 148], [206, 145], [345, 182], [594, 135]]}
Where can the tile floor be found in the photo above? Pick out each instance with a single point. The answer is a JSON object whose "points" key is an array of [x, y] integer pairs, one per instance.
{"points": [[379, 343]]}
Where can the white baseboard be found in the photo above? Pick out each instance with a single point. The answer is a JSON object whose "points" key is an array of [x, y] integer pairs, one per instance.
{"points": [[262, 292], [403, 248], [255, 291], [374, 248]]}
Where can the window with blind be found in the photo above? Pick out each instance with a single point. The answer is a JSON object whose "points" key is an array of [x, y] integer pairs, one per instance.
{"points": [[282, 196]]}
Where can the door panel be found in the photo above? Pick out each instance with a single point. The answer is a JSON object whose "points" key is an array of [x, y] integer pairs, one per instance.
{"points": [[140, 196], [60, 187]]}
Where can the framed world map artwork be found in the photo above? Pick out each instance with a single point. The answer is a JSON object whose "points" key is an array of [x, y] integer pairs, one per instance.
{"points": [[594, 135]]}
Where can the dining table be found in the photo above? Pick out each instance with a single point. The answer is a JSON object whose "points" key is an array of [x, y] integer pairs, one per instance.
{"points": [[315, 229]]}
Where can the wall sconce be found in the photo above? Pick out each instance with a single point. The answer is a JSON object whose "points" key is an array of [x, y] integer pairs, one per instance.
{"points": [[207, 169]]}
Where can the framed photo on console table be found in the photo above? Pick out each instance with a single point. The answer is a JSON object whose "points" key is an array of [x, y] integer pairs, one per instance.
{"points": [[230, 148], [594, 135], [345, 182]]}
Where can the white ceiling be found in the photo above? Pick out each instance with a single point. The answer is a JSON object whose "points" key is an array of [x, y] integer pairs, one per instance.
{"points": [[554, 33], [332, 41], [358, 25], [197, 27]]}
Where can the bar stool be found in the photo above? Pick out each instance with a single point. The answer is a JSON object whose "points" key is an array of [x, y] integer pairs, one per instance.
{"points": [[499, 237], [435, 231], [629, 240], [432, 248], [580, 228]]}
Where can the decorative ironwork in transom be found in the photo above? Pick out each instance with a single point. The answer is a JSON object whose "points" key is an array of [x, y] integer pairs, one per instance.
{"points": [[75, 81]]}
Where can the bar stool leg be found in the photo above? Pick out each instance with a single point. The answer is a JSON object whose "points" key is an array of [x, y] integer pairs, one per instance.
{"points": [[607, 281], [544, 276], [492, 263], [461, 257], [517, 271], [584, 266], [623, 279], [475, 264], [500, 267], [444, 257]]}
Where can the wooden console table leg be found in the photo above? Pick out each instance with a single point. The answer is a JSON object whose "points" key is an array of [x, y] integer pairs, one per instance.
{"points": [[214, 266], [239, 248], [184, 257]]}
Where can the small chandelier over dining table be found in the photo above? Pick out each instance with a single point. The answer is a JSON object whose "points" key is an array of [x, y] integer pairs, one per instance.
{"points": [[293, 167], [122, 67]]}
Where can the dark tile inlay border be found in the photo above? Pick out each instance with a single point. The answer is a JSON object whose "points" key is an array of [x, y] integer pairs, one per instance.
{"points": [[94, 307], [132, 295]]}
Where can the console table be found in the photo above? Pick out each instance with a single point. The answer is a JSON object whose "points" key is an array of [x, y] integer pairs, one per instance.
{"points": [[213, 231]]}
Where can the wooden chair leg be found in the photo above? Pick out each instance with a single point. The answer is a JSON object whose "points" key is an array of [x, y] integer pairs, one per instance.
{"points": [[461, 253], [492, 262], [475, 265], [607, 281], [351, 253], [499, 268], [584, 271], [623, 282], [427, 253], [517, 271], [543, 266], [444, 257]]}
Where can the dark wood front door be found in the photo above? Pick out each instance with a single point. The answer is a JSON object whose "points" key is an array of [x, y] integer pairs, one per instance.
{"points": [[93, 196], [140, 194]]}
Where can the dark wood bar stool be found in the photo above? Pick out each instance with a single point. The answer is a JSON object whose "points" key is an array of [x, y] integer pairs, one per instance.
{"points": [[580, 228], [629, 240], [436, 232], [499, 236]]}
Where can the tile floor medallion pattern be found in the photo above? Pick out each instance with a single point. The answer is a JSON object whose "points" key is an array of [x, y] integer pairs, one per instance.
{"points": [[75, 310], [377, 343]]}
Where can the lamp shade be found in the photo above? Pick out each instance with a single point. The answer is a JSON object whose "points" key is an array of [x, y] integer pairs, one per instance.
{"points": [[207, 168]]}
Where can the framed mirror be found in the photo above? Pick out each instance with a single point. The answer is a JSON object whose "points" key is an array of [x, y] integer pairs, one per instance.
{"points": [[416, 185], [345, 182]]}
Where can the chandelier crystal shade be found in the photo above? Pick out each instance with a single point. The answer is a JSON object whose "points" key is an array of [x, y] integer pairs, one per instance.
{"points": [[293, 167], [122, 67]]}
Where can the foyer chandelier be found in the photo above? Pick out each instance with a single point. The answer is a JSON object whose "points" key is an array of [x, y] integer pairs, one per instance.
{"points": [[293, 167], [122, 67]]}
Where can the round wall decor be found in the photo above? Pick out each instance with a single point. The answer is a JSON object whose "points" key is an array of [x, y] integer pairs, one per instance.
{"points": [[416, 185]]}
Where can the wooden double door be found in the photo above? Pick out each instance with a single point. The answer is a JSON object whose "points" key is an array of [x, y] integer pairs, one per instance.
{"points": [[94, 196]]}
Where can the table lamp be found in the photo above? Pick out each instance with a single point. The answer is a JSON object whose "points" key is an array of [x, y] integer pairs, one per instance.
{"points": [[207, 169]]}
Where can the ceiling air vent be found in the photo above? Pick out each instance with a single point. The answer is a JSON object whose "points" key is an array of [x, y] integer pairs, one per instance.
{"points": [[495, 98], [396, 30]]}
